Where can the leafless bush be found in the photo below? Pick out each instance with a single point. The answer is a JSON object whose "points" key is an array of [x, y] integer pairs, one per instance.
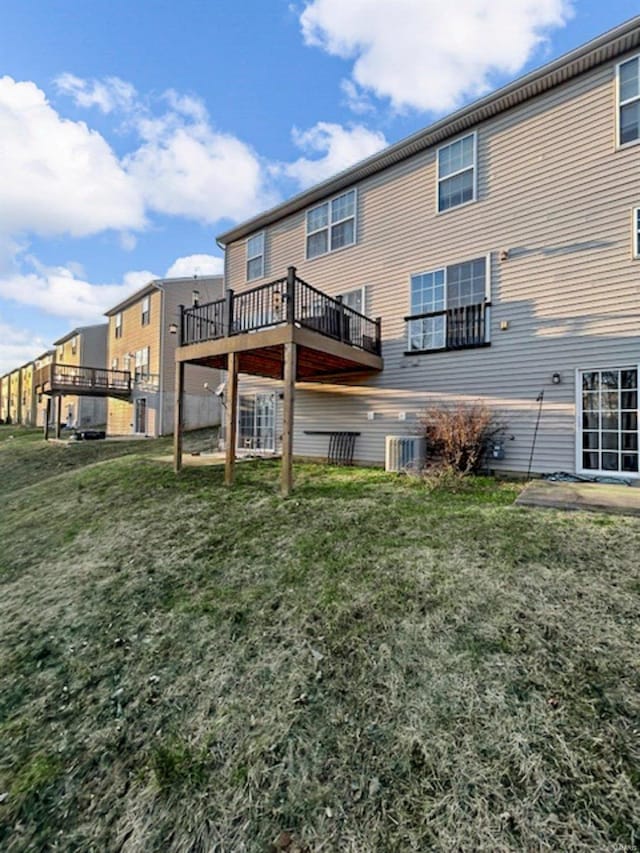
{"points": [[459, 436]]}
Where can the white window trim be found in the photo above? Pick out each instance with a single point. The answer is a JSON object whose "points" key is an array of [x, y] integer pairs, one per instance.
{"points": [[117, 325], [635, 233], [330, 223], [253, 257], [620, 104], [363, 291], [443, 268], [146, 299], [474, 134], [590, 472]]}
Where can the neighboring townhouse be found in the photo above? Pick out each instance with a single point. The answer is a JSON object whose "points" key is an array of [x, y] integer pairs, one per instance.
{"points": [[141, 342], [4, 397], [28, 396], [41, 363], [76, 353], [14, 409], [501, 249]]}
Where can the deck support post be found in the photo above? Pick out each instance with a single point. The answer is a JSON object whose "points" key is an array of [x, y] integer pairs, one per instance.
{"points": [[178, 426], [286, 474], [58, 415], [232, 418], [47, 418]]}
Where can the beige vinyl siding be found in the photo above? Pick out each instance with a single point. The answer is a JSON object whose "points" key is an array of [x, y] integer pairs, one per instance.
{"points": [[4, 397], [555, 193], [28, 403], [201, 407], [15, 396]]}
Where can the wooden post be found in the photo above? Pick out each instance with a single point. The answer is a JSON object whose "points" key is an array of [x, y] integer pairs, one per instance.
{"points": [[58, 415], [291, 295], [232, 417], [178, 426], [286, 474], [47, 417]]}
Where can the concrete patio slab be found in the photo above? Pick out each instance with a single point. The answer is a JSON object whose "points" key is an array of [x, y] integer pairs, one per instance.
{"points": [[590, 497]]}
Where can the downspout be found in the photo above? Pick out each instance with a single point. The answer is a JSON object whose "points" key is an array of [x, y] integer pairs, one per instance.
{"points": [[158, 284]]}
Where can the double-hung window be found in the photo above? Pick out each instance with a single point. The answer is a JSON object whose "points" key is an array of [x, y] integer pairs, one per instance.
{"points": [[635, 232], [255, 256], [332, 225], [450, 307], [457, 173], [145, 312], [142, 364], [629, 101], [117, 329]]}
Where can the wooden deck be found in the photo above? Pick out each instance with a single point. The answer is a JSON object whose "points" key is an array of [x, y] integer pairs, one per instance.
{"points": [[285, 330], [61, 379]]}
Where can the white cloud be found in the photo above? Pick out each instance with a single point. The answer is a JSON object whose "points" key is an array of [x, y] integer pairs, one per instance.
{"points": [[339, 147], [108, 95], [427, 54], [196, 265], [61, 293], [186, 168], [58, 176], [17, 346]]}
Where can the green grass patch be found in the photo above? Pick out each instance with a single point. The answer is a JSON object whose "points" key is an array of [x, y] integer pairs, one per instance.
{"points": [[369, 665]]}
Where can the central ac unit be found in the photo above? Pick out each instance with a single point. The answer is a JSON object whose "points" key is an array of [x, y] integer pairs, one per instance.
{"points": [[404, 453]]}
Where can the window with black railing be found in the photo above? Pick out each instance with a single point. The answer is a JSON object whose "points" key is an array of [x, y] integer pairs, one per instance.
{"points": [[450, 308], [287, 300]]}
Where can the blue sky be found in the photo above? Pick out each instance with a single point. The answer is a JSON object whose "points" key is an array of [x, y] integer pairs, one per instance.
{"points": [[131, 133]]}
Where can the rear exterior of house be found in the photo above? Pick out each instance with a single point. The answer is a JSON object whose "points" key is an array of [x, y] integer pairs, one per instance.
{"points": [[14, 408], [28, 396], [501, 250], [84, 347], [4, 397], [140, 341], [43, 361]]}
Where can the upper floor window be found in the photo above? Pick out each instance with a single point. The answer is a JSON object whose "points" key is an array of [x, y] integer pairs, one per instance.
{"points": [[457, 173], [629, 101], [145, 311], [255, 256], [449, 307], [118, 325], [635, 235], [142, 363], [331, 225], [114, 363], [74, 345]]}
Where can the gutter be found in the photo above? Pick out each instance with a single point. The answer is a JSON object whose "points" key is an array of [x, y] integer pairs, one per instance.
{"points": [[596, 52]]}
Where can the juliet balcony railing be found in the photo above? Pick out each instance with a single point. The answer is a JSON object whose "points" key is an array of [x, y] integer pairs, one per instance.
{"points": [[77, 379], [462, 327], [288, 300]]}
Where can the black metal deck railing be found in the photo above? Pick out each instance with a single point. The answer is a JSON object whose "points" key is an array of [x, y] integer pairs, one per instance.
{"points": [[454, 328], [287, 300]]}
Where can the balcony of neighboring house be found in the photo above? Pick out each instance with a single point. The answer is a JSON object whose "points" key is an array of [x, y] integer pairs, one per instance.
{"points": [[286, 330], [61, 379]]}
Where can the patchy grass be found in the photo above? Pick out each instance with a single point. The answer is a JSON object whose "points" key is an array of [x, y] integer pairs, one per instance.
{"points": [[369, 665]]}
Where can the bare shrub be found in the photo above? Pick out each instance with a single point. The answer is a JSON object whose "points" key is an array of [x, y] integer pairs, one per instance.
{"points": [[459, 436]]}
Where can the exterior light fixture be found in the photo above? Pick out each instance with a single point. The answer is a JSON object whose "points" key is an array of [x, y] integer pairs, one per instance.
{"points": [[556, 379], [173, 328]]}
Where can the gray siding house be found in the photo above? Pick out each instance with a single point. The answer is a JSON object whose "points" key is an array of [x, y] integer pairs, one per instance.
{"points": [[501, 249]]}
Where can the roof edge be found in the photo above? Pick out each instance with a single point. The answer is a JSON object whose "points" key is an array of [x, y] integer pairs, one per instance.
{"points": [[589, 55]]}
